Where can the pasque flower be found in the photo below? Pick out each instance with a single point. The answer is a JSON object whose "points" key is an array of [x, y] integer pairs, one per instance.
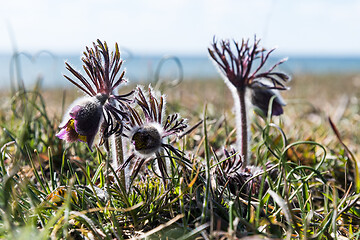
{"points": [[82, 121], [242, 67], [147, 129], [101, 106]]}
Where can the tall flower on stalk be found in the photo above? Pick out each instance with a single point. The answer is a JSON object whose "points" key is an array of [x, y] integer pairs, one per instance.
{"points": [[101, 106], [240, 73], [148, 128]]}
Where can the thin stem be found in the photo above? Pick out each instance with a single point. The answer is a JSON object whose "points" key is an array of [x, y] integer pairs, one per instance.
{"points": [[242, 128], [118, 156]]}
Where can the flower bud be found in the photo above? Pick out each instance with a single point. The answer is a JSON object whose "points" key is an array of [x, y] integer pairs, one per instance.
{"points": [[147, 139]]}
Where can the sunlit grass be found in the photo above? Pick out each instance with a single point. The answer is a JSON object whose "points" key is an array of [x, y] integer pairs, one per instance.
{"points": [[307, 188]]}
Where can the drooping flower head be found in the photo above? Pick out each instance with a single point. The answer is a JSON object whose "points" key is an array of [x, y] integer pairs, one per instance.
{"points": [[261, 96], [243, 68], [147, 128], [101, 106], [82, 121]]}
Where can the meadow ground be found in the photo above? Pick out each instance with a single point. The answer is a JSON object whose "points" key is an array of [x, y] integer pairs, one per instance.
{"points": [[311, 99], [311, 189]]}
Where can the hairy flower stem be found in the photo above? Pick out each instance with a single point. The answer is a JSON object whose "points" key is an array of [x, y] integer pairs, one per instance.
{"points": [[242, 127], [118, 156], [237, 67]]}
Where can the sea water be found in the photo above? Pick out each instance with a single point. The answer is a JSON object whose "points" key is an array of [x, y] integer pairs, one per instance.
{"points": [[50, 68]]}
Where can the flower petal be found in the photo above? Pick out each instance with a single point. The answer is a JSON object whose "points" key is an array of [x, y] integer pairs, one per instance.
{"points": [[88, 117], [68, 132], [260, 97], [90, 140], [74, 111], [83, 121], [62, 134]]}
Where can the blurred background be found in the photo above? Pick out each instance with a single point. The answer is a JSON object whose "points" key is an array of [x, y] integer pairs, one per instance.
{"points": [[320, 37]]}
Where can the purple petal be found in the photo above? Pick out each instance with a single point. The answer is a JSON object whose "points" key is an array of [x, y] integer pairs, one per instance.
{"points": [[62, 134], [277, 108], [74, 111], [90, 140], [260, 97], [83, 122], [87, 119], [67, 133]]}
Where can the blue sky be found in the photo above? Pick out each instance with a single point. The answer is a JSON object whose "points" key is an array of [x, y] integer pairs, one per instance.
{"points": [[306, 27]]}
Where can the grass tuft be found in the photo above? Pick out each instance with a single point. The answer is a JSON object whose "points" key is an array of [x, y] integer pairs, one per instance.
{"points": [[301, 181]]}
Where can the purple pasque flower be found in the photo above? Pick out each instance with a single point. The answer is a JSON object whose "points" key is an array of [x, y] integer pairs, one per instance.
{"points": [[102, 107], [148, 128], [241, 66], [83, 124]]}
